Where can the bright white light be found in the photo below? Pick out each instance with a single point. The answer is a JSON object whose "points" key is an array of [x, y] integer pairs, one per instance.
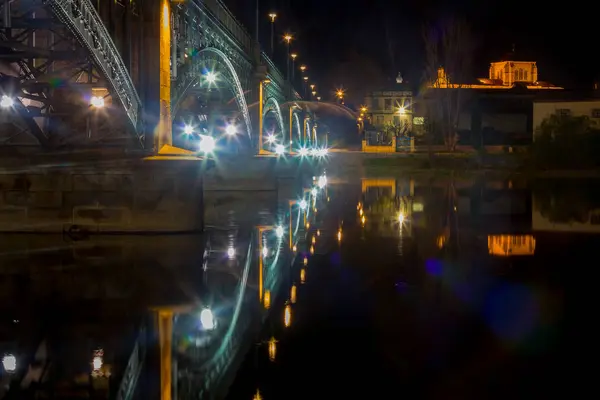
{"points": [[231, 130], [97, 101], [313, 192], [322, 152], [279, 231], [231, 252], [402, 110], [265, 251], [6, 102], [9, 362], [211, 77], [97, 362], [188, 130], [279, 149], [207, 144], [313, 152], [271, 139], [303, 151], [401, 217], [322, 181], [303, 204], [207, 319]]}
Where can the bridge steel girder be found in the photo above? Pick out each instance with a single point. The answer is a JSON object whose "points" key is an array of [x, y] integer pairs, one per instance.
{"points": [[52, 50], [207, 32], [201, 40]]}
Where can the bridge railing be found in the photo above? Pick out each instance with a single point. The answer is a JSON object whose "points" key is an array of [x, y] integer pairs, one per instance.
{"points": [[238, 31]]}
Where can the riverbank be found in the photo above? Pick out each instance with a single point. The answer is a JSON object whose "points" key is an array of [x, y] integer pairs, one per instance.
{"points": [[467, 165]]}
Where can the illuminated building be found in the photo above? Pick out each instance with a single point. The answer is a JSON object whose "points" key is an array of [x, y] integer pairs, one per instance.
{"points": [[504, 74]]}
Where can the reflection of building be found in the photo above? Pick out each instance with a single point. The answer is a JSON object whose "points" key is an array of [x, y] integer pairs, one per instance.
{"points": [[388, 205], [566, 103], [541, 222], [511, 245]]}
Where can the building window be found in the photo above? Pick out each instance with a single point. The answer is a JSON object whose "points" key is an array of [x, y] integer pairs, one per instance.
{"points": [[396, 120], [525, 75], [387, 104], [596, 113], [379, 120], [563, 112]]}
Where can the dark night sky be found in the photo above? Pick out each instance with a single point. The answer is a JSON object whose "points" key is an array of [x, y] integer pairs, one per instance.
{"points": [[335, 36]]}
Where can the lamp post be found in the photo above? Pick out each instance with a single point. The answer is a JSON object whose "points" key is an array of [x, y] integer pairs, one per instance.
{"points": [[293, 55], [272, 16], [304, 85], [260, 114], [288, 39]]}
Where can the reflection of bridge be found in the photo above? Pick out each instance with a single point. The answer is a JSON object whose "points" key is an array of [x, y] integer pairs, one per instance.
{"points": [[83, 313], [80, 73]]}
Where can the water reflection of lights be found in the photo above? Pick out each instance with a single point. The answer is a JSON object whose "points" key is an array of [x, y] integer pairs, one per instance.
{"points": [[294, 249], [307, 225], [314, 192], [305, 261], [9, 362], [265, 252], [207, 319], [279, 231], [257, 396], [363, 220], [231, 253], [322, 181], [339, 235], [318, 232], [401, 217], [287, 316], [98, 360], [312, 249], [302, 275], [314, 240], [267, 299], [272, 348], [293, 294], [303, 204]]}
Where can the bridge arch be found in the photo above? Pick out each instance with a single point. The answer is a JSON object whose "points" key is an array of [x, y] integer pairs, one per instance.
{"points": [[231, 77], [298, 126], [273, 105]]}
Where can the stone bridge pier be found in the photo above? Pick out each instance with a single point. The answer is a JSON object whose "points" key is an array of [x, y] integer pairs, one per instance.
{"points": [[127, 196]]}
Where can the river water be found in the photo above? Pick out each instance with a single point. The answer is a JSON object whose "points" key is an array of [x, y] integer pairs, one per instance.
{"points": [[340, 287]]}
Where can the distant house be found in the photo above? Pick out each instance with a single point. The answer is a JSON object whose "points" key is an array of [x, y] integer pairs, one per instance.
{"points": [[575, 103], [390, 105]]}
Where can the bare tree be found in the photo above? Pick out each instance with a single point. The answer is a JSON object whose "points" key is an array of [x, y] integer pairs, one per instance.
{"points": [[449, 49]]}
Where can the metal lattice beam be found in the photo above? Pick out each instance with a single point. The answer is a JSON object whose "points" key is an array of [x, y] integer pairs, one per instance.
{"points": [[54, 56]]}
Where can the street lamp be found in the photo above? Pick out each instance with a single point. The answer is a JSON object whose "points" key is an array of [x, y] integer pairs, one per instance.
{"points": [[272, 16], [288, 39], [260, 114], [293, 55]]}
